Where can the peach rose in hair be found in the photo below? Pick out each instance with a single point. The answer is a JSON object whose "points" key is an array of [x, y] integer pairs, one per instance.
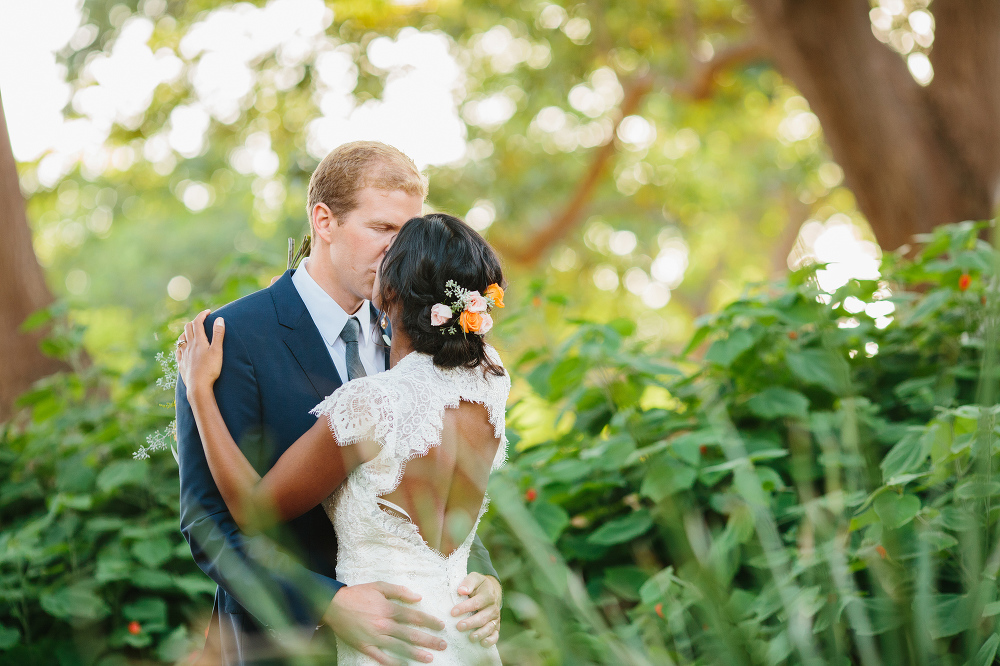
{"points": [[440, 314], [474, 302]]}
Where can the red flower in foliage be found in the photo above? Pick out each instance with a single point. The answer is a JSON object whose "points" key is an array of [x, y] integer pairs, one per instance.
{"points": [[880, 549], [659, 609], [964, 282], [792, 335], [134, 627], [531, 495]]}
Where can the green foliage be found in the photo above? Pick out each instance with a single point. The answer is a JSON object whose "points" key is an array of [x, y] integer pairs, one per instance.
{"points": [[719, 173], [89, 540], [819, 486], [804, 484]]}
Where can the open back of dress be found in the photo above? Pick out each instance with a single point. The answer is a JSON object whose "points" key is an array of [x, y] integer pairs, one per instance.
{"points": [[404, 411]]}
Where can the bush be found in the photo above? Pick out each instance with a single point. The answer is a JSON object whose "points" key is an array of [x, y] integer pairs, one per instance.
{"points": [[817, 487], [806, 483], [92, 564]]}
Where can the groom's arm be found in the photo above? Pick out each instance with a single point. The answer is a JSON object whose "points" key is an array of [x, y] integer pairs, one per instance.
{"points": [[269, 584], [479, 559]]}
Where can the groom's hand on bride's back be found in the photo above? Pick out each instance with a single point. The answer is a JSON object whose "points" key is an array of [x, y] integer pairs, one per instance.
{"points": [[364, 617]]}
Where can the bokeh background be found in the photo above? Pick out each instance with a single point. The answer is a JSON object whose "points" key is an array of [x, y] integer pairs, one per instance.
{"points": [[640, 166]]}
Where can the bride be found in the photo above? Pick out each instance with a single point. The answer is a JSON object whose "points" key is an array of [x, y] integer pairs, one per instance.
{"points": [[399, 460]]}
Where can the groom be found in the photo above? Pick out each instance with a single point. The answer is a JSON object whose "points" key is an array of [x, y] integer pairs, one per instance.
{"points": [[287, 347]]}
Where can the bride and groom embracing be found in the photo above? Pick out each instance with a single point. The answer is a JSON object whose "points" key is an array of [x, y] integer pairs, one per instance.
{"points": [[376, 502]]}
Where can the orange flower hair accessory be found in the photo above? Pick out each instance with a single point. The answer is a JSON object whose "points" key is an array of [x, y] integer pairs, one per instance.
{"points": [[494, 293], [471, 307]]}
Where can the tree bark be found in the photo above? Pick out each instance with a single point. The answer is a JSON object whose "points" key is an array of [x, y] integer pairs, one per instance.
{"points": [[22, 288], [914, 157]]}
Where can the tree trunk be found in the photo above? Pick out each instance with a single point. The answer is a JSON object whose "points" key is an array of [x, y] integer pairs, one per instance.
{"points": [[22, 288], [914, 157]]}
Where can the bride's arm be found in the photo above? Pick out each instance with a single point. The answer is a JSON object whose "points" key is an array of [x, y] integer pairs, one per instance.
{"points": [[304, 475]]}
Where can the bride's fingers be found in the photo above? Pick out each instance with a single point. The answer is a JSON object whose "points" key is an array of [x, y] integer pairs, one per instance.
{"points": [[471, 605], [481, 622], [491, 639], [218, 333], [470, 583], [189, 334], [199, 326]]}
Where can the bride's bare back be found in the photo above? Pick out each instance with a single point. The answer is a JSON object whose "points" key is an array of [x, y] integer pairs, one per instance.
{"points": [[443, 490]]}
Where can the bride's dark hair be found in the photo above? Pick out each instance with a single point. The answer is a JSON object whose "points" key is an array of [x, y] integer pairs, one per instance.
{"points": [[428, 252]]}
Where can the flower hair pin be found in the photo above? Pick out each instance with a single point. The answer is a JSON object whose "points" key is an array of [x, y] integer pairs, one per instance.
{"points": [[471, 307]]}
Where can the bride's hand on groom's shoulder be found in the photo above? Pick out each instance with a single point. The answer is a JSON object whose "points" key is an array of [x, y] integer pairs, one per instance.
{"points": [[364, 617], [485, 599], [198, 360]]}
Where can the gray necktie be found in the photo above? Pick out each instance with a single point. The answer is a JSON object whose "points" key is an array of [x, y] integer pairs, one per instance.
{"points": [[349, 335]]}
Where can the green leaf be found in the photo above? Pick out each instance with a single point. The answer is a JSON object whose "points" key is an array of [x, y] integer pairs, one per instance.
{"points": [[977, 489], [151, 579], [895, 510], [552, 518], [153, 552], [938, 540], [665, 476], [122, 472], [195, 584], [951, 615], [726, 350], [777, 401], [820, 367], [147, 610], [988, 652], [112, 567], [909, 453], [75, 602], [9, 637], [622, 529], [626, 582]]}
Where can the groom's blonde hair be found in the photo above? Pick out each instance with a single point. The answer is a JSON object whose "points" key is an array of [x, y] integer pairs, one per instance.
{"points": [[354, 166]]}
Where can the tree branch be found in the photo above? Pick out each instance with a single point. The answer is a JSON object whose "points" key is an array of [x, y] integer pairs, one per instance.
{"points": [[702, 83], [571, 213], [698, 87]]}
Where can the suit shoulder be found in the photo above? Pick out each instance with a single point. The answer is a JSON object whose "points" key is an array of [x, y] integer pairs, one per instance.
{"points": [[251, 308]]}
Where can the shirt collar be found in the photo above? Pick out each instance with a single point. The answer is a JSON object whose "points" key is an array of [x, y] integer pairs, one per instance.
{"points": [[329, 317]]}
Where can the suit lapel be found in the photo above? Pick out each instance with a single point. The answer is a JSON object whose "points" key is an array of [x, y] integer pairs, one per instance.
{"points": [[303, 339]]}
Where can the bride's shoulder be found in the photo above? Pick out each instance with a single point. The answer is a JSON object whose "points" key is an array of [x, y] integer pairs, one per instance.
{"points": [[493, 354], [361, 393]]}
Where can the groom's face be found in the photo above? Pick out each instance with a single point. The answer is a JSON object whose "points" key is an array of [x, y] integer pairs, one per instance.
{"points": [[360, 238]]}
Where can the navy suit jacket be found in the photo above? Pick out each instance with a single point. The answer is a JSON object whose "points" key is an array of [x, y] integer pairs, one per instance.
{"points": [[275, 369]]}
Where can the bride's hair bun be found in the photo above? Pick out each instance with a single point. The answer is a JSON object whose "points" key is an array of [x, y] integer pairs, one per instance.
{"points": [[427, 253]]}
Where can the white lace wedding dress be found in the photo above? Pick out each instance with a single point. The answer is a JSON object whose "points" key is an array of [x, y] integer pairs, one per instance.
{"points": [[403, 409]]}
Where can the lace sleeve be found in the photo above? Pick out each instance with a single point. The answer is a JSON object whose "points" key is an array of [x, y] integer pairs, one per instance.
{"points": [[358, 411], [499, 391]]}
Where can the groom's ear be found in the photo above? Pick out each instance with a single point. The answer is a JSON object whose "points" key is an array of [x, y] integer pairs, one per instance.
{"points": [[323, 222]]}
